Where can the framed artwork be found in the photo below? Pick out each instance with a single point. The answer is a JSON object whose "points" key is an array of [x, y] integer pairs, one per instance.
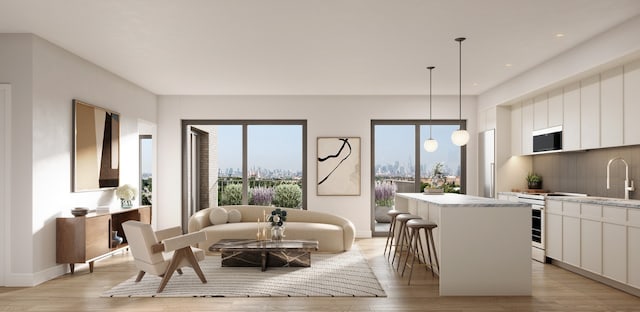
{"points": [[96, 147], [338, 166]]}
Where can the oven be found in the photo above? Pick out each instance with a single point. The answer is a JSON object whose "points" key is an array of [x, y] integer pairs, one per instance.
{"points": [[537, 224]]}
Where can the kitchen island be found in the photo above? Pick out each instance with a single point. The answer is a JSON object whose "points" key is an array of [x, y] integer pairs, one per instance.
{"points": [[483, 244]]}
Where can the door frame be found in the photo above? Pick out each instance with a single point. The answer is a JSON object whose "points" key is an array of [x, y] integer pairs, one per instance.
{"points": [[5, 173]]}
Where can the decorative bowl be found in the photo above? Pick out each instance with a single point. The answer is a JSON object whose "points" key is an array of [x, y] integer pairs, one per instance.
{"points": [[79, 211]]}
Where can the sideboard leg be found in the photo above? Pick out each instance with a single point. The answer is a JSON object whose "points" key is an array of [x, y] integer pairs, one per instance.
{"points": [[91, 267], [72, 267]]}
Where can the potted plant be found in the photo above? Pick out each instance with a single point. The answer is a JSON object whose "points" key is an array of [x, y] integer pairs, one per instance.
{"points": [[534, 181]]}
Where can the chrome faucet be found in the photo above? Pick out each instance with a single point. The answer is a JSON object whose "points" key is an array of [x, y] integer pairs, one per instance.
{"points": [[627, 188]]}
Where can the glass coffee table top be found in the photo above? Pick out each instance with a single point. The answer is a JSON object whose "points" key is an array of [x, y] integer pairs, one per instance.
{"points": [[248, 244]]}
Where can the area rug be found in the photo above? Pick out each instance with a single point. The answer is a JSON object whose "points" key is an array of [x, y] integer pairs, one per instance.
{"points": [[345, 274]]}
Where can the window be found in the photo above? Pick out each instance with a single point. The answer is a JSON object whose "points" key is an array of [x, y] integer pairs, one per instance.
{"points": [[146, 169], [400, 159], [243, 162]]}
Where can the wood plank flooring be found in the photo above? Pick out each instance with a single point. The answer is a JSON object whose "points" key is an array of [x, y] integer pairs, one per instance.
{"points": [[554, 289]]}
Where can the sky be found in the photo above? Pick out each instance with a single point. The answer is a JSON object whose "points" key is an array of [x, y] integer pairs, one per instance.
{"points": [[280, 146]]}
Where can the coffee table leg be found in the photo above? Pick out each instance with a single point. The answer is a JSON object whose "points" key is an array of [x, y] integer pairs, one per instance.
{"points": [[264, 260]]}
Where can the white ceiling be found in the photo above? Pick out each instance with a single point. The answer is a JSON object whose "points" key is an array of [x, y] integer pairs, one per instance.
{"points": [[314, 47]]}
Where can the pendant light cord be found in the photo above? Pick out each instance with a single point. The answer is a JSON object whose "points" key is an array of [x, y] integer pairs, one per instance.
{"points": [[460, 78], [430, 68]]}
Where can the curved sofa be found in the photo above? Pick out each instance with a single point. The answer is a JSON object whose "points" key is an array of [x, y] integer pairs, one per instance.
{"points": [[334, 233]]}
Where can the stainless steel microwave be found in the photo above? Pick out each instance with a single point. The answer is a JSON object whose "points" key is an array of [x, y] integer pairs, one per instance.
{"points": [[547, 140]]}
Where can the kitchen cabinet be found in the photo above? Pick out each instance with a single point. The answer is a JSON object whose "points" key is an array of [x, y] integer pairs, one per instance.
{"points": [[555, 109], [591, 245], [631, 102], [516, 129], [611, 130], [527, 127], [614, 252], [553, 229], [540, 112], [590, 112], [633, 248], [571, 117], [571, 240]]}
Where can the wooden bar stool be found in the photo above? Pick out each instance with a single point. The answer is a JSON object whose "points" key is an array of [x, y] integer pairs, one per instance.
{"points": [[392, 227], [402, 239], [415, 245]]}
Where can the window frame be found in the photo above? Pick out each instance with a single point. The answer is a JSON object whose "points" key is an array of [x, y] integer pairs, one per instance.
{"points": [[245, 123]]}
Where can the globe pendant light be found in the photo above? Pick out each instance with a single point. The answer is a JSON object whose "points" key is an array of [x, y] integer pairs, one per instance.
{"points": [[460, 137], [430, 145]]}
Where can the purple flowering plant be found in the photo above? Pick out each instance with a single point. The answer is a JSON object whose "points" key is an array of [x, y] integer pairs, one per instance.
{"points": [[385, 193], [262, 196]]}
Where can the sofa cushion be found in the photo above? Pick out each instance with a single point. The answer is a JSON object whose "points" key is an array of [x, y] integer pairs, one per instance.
{"points": [[234, 215], [218, 216]]}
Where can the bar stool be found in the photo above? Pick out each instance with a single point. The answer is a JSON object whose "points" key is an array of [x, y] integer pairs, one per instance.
{"points": [[415, 244], [402, 239], [392, 227]]}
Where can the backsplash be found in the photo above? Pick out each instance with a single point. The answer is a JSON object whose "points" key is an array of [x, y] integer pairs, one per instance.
{"points": [[586, 171]]}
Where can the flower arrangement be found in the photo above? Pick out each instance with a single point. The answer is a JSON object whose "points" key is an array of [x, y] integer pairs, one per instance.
{"points": [[126, 192], [278, 217], [385, 193]]}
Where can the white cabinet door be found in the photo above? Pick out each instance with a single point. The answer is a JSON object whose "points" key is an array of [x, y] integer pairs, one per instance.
{"points": [[590, 112], [516, 129], [633, 260], [571, 240], [553, 228], [527, 127], [614, 252], [540, 111], [591, 245], [611, 108], [571, 118], [631, 103], [555, 108]]}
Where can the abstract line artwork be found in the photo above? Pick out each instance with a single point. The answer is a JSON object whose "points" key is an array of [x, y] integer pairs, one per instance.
{"points": [[339, 166]]}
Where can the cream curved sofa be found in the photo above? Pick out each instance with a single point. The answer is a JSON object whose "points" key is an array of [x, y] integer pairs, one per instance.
{"points": [[334, 233]]}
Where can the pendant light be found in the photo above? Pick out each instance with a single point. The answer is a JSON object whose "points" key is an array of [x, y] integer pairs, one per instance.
{"points": [[430, 145], [460, 137]]}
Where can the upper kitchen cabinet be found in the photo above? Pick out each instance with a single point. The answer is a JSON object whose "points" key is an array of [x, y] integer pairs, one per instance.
{"points": [[555, 109], [611, 108], [571, 117], [527, 127], [631, 103], [540, 112], [590, 112], [516, 129]]}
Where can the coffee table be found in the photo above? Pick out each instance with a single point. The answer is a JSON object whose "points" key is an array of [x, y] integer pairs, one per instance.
{"points": [[263, 254]]}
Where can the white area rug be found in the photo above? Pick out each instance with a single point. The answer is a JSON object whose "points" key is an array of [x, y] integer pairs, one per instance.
{"points": [[330, 275]]}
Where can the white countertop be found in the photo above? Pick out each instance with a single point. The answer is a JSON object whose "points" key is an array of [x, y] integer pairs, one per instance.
{"points": [[608, 201], [461, 200]]}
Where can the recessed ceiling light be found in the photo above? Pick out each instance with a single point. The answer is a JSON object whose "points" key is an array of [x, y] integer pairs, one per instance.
{"points": [[559, 35], [508, 65], [475, 84]]}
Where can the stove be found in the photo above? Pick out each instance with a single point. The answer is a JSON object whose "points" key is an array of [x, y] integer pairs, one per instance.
{"points": [[537, 201]]}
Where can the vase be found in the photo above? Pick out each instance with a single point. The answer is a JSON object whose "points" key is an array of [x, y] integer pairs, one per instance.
{"points": [[115, 239], [125, 203], [277, 233]]}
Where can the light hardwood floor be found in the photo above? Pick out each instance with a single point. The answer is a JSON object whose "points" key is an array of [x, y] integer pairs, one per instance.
{"points": [[554, 289]]}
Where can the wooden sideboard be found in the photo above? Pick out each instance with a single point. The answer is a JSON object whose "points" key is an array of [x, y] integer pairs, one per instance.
{"points": [[88, 238]]}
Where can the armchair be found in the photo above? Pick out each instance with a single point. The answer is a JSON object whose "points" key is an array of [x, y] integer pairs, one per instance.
{"points": [[163, 252]]}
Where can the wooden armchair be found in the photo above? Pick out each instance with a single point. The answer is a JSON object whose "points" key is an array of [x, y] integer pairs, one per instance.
{"points": [[163, 252]]}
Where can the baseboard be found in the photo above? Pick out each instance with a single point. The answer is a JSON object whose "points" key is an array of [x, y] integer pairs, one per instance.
{"points": [[34, 279], [363, 234]]}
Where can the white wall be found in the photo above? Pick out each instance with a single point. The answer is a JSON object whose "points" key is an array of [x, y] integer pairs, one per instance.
{"points": [[325, 115], [42, 136], [5, 141]]}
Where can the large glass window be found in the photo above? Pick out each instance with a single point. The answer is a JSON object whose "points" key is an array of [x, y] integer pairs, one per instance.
{"points": [[146, 169], [402, 165], [243, 162]]}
